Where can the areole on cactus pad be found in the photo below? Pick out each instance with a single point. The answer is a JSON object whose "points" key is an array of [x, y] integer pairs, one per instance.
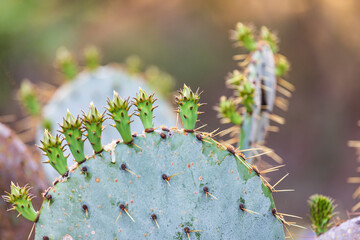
{"points": [[166, 183]]}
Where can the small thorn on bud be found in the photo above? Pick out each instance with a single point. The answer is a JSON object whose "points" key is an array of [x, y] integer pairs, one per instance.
{"points": [[231, 150], [273, 211]]}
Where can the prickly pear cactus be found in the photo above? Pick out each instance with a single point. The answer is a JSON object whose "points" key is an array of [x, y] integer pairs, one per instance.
{"points": [[255, 87], [16, 164], [93, 85], [166, 183]]}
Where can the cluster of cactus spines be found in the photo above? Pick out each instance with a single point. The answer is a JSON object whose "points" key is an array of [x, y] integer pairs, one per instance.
{"points": [[17, 164], [321, 212], [251, 106], [175, 184]]}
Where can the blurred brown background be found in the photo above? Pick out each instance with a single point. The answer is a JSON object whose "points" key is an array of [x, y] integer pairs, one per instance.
{"points": [[190, 40]]}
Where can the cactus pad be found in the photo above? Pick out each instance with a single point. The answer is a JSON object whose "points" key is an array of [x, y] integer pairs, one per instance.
{"points": [[164, 184], [87, 204]]}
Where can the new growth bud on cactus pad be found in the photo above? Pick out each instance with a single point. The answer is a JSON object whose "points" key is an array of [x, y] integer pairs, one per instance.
{"points": [[250, 108], [163, 184], [321, 212], [95, 86]]}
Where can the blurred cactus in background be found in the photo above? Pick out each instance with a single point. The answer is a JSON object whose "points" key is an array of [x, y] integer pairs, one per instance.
{"points": [[250, 108]]}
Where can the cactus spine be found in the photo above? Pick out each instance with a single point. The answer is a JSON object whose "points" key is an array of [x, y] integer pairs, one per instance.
{"points": [[167, 184], [251, 106]]}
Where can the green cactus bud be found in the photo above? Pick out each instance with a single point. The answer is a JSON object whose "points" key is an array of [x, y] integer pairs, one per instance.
{"points": [[228, 110], [246, 93], [71, 128], [66, 63], [282, 65], [134, 64], [93, 124], [119, 112], [321, 212], [20, 198], [92, 57], [52, 147], [188, 103], [270, 38], [18, 164], [244, 36], [144, 105], [28, 98], [235, 79]]}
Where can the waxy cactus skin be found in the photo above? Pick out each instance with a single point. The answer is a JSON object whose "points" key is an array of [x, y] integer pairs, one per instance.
{"points": [[195, 187]]}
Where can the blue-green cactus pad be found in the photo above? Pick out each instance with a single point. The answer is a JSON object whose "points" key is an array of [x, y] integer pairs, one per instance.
{"points": [[183, 204]]}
